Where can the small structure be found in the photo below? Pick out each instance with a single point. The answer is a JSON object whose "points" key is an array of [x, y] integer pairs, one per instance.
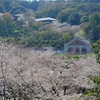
{"points": [[47, 48], [47, 19], [77, 46]]}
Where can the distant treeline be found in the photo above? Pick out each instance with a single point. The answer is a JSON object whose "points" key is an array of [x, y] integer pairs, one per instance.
{"points": [[27, 32]]}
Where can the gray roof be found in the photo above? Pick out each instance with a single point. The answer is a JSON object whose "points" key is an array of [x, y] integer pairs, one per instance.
{"points": [[45, 19], [82, 40]]}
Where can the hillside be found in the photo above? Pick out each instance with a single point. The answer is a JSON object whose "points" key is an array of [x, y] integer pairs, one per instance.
{"points": [[17, 24]]}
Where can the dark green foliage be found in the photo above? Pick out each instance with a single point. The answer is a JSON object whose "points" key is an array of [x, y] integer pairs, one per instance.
{"points": [[84, 19], [65, 15], [17, 9], [7, 4], [94, 92], [24, 4], [35, 34], [50, 38], [1, 8], [65, 12], [74, 18], [48, 12], [92, 29], [6, 25], [33, 5], [94, 24], [30, 36], [96, 47]]}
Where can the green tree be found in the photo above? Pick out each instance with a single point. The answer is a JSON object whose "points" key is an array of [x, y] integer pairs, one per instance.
{"points": [[64, 15], [7, 4], [84, 19], [7, 24], [74, 18], [17, 9], [7, 17], [96, 47], [94, 24], [66, 37], [34, 5], [30, 41], [1, 8]]}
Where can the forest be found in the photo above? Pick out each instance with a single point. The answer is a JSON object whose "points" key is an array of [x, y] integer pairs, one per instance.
{"points": [[84, 14]]}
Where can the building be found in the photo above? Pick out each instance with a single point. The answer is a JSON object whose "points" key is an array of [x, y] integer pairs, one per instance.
{"points": [[47, 19], [77, 46]]}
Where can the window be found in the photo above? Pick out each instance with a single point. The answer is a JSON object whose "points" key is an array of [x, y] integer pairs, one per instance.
{"points": [[76, 42], [77, 51], [84, 50], [70, 50]]}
